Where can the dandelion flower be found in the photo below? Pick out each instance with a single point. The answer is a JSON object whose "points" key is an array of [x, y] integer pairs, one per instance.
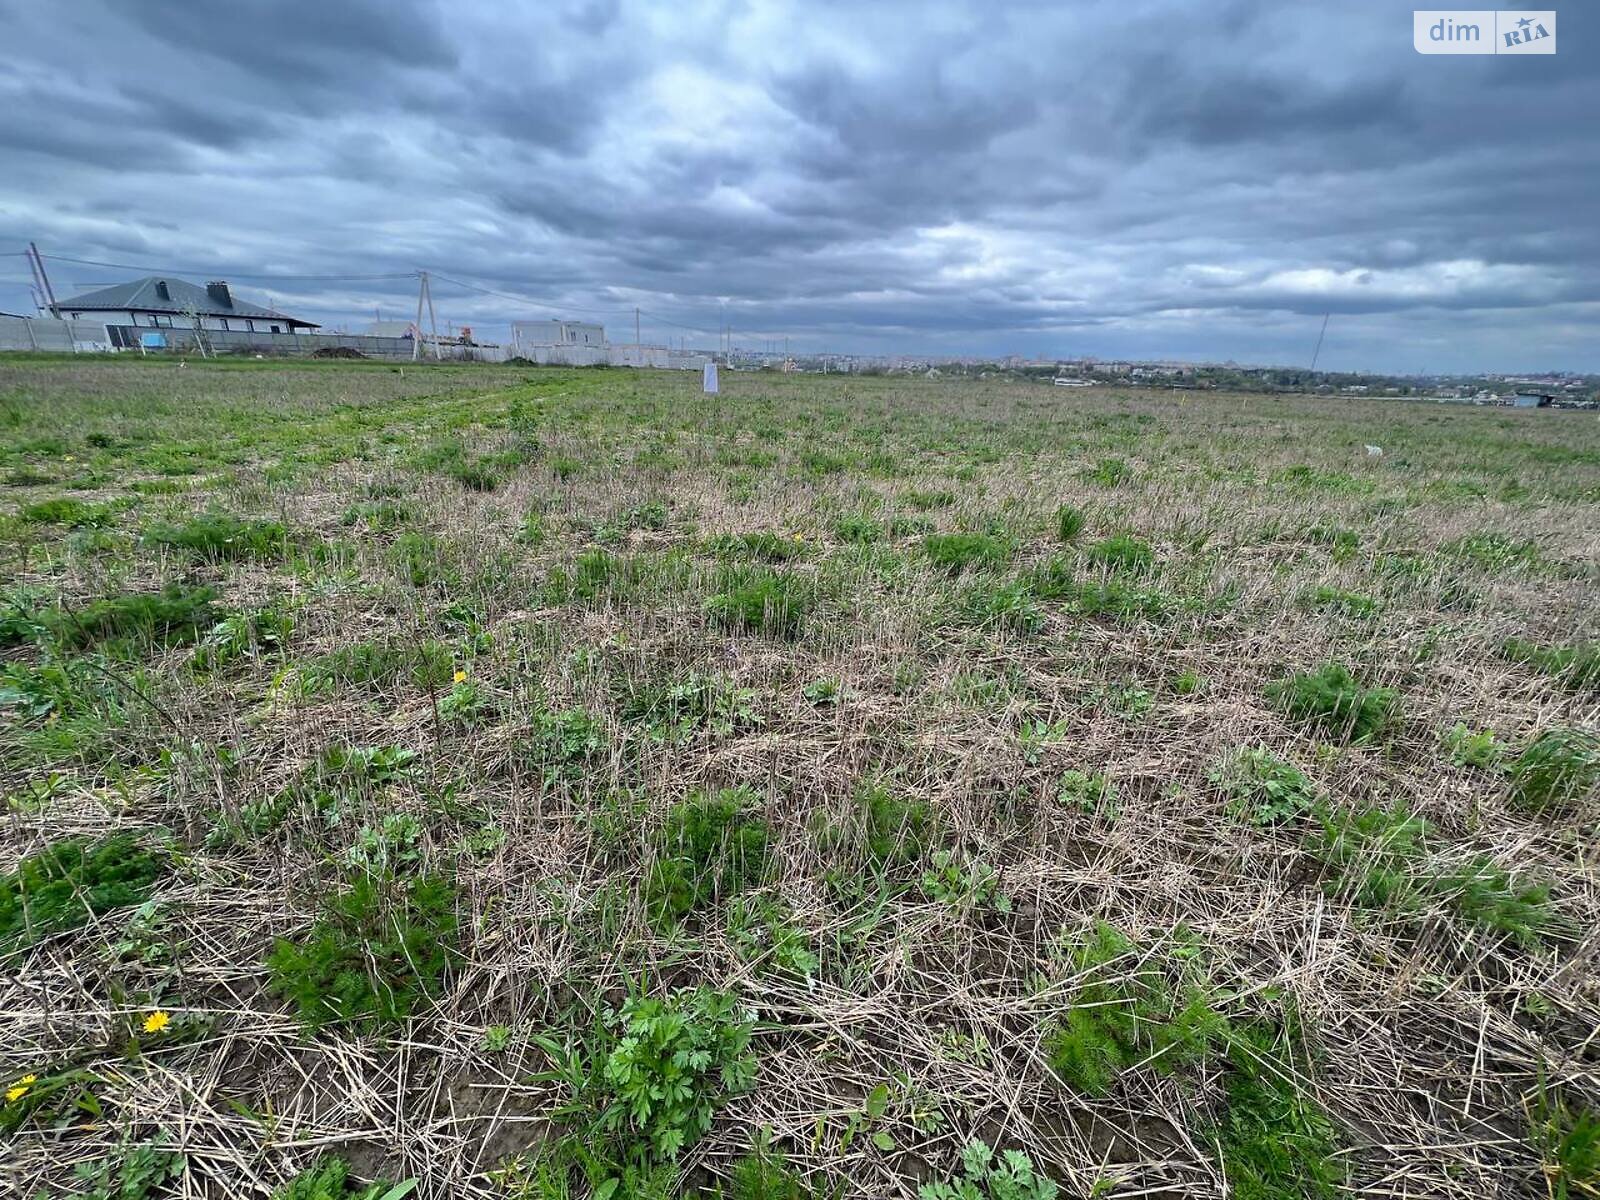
{"points": [[20, 1089], [156, 1022], [460, 676]]}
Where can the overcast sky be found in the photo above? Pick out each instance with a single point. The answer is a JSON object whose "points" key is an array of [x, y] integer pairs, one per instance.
{"points": [[1198, 181]]}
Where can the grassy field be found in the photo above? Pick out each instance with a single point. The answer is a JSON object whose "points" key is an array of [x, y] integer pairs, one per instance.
{"points": [[549, 784]]}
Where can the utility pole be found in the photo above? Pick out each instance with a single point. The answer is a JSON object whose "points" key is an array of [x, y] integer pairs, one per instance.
{"points": [[424, 298], [416, 326], [433, 322], [36, 264], [636, 327], [1323, 333]]}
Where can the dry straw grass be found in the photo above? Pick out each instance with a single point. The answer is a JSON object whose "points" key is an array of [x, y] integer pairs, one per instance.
{"points": [[1428, 1035]]}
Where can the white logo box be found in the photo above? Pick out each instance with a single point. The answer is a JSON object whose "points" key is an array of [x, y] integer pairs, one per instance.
{"points": [[1483, 31]]}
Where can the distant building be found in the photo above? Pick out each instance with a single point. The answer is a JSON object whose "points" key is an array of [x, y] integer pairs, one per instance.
{"points": [[558, 333], [583, 344], [165, 303], [1530, 398]]}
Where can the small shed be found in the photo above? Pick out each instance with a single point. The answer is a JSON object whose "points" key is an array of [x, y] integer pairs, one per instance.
{"points": [[1532, 398]]}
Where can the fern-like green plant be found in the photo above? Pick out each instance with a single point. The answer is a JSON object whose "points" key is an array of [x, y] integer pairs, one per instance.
{"points": [[645, 1086], [378, 952], [1557, 767], [64, 885], [1331, 699], [1127, 1011], [711, 847]]}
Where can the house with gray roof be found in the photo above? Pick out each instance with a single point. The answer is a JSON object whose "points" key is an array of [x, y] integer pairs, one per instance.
{"points": [[165, 303]]}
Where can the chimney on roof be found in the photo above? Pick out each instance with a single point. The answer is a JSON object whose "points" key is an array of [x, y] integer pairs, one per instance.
{"points": [[220, 296], [161, 290]]}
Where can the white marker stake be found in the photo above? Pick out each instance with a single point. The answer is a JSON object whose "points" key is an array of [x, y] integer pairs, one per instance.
{"points": [[710, 385]]}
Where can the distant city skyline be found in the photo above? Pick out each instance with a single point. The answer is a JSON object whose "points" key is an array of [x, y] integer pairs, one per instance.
{"points": [[1142, 180]]}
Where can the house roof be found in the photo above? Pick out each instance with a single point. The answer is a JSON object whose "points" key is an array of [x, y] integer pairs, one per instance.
{"points": [[141, 295]]}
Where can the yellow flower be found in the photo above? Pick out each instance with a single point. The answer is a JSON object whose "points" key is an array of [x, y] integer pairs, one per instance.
{"points": [[20, 1089], [460, 677], [156, 1022]]}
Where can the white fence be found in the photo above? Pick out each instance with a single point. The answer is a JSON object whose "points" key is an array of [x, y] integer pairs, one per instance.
{"points": [[609, 354]]}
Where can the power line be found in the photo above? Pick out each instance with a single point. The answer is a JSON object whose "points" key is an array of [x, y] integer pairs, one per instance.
{"points": [[515, 297], [528, 300], [91, 262]]}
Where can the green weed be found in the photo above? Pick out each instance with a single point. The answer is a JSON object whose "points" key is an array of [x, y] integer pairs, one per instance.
{"points": [[1109, 472], [1124, 553], [1473, 749], [763, 546], [675, 711], [1331, 699], [1263, 789], [1126, 1011], [70, 881], [956, 552], [711, 847], [1070, 521], [774, 602], [964, 882], [1331, 599], [985, 1175], [221, 537], [895, 831], [762, 1174], [646, 1084], [1568, 1140], [764, 934], [1576, 668], [68, 511], [159, 618], [380, 666], [377, 952], [140, 1172], [1558, 767], [858, 530], [330, 1179]]}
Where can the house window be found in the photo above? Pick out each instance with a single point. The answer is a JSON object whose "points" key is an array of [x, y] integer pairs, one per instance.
{"points": [[277, 329], [222, 323]]}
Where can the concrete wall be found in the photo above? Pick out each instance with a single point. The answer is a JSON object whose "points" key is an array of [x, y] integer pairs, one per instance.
{"points": [[610, 355], [46, 334], [22, 333]]}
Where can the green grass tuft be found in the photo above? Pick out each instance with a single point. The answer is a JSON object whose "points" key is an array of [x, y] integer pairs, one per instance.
{"points": [[376, 954], [70, 881], [956, 552], [1123, 552], [1558, 767], [773, 602], [220, 537], [1331, 699], [711, 847]]}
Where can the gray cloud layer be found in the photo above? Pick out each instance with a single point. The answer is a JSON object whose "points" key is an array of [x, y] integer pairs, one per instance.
{"points": [[1108, 178]]}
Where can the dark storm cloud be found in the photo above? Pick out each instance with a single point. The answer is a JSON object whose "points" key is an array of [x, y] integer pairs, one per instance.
{"points": [[1121, 177], [310, 43]]}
